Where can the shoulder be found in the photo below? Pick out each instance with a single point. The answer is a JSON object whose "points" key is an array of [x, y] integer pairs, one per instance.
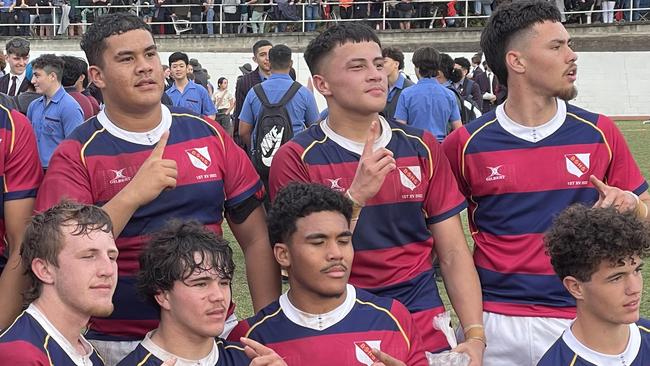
{"points": [[141, 357], [644, 326], [559, 354], [233, 353]]}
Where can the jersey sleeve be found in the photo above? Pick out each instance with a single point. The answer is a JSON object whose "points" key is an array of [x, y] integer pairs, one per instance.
{"points": [[452, 147], [287, 167], [66, 177], [240, 178], [443, 199], [623, 171], [416, 356], [22, 353], [23, 172]]}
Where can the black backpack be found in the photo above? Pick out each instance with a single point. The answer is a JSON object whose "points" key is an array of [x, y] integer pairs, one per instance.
{"points": [[273, 129], [468, 111]]}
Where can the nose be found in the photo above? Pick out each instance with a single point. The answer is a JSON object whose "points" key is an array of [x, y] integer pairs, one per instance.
{"points": [[634, 284], [106, 267], [375, 75], [334, 251], [216, 292], [144, 65]]}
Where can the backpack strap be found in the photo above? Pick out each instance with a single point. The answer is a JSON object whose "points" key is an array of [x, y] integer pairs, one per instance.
{"points": [[259, 91]]}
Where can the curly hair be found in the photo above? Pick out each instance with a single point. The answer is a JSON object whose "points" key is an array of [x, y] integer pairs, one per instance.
{"points": [[506, 23], [44, 238], [298, 200], [583, 237], [93, 42], [171, 256], [337, 35]]}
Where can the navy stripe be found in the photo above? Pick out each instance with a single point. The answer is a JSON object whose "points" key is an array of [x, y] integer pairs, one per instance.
{"points": [[545, 290], [399, 226], [417, 294], [130, 304], [234, 201], [445, 215], [186, 202], [17, 195], [526, 213]]}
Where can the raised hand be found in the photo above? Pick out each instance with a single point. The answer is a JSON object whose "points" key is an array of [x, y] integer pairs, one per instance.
{"points": [[261, 355], [609, 196], [374, 166], [155, 175]]}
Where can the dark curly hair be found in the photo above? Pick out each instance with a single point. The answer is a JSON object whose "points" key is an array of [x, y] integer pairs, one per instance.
{"points": [[506, 23], [298, 200], [169, 257], [94, 40], [427, 60], [44, 238], [583, 237], [337, 35]]}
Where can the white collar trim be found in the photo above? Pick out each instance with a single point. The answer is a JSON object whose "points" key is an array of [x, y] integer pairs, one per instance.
{"points": [[357, 147], [68, 348], [209, 360], [319, 321], [600, 359], [141, 138], [532, 134]]}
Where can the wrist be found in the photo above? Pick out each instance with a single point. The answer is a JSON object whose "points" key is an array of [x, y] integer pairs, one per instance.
{"points": [[356, 206]]}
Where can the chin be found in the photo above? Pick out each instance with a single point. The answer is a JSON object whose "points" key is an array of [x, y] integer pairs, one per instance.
{"points": [[568, 94], [102, 310]]}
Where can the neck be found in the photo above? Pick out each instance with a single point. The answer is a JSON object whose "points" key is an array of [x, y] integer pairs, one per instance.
{"points": [[280, 72], [181, 83], [529, 108], [178, 341], [67, 321], [265, 73], [600, 336], [50, 93], [392, 78], [349, 124], [312, 303], [137, 120]]}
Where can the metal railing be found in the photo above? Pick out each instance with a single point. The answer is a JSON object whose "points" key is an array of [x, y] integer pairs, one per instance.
{"points": [[382, 15]]}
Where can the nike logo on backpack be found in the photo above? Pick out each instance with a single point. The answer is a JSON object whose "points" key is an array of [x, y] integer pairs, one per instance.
{"points": [[271, 144]]}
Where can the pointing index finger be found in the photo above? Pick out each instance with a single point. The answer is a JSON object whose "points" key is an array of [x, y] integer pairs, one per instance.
{"points": [[259, 348], [371, 136], [159, 149], [598, 184]]}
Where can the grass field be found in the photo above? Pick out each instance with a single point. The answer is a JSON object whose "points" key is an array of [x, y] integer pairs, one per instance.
{"points": [[638, 138]]}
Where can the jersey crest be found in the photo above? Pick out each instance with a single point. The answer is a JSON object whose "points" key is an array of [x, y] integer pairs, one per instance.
{"points": [[577, 164], [200, 157], [410, 176], [363, 351]]}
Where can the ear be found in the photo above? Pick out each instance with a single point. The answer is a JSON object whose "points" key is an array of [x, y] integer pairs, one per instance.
{"points": [[574, 287], [162, 298], [282, 255], [321, 85], [515, 62], [96, 76], [43, 270]]}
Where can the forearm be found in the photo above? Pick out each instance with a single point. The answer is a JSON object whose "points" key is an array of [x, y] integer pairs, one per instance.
{"points": [[120, 209], [463, 287], [13, 283]]}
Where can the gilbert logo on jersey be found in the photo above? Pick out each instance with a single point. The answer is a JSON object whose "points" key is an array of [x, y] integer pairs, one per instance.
{"points": [[577, 164], [199, 157], [363, 350], [120, 176]]}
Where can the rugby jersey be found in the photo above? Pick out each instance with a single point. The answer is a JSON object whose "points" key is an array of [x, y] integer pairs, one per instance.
{"points": [[99, 159], [223, 353], [344, 336], [569, 351], [516, 180], [33, 340], [392, 242], [20, 167]]}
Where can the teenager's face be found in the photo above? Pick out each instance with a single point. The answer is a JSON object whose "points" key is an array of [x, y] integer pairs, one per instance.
{"points": [[261, 58], [319, 255], [548, 48], [352, 77], [197, 306], [179, 70], [131, 77], [17, 64], [613, 295], [44, 83], [86, 275], [390, 66]]}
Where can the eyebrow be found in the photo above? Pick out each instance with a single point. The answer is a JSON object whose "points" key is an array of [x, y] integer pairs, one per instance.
{"points": [[623, 272], [360, 59], [323, 236], [562, 41], [129, 52]]}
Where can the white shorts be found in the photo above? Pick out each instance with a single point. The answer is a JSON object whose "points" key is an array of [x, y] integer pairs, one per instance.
{"points": [[113, 352], [519, 340]]}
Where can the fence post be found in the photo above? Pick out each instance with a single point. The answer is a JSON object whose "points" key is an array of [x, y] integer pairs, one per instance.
{"points": [[220, 18]]}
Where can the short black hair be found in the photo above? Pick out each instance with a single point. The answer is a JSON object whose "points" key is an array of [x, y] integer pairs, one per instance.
{"points": [[447, 68], [179, 56], [169, 257], [221, 80], [394, 53], [93, 42], [50, 63], [73, 68], [463, 62], [298, 200], [508, 21], [427, 60], [337, 35], [259, 44], [17, 46], [582, 237], [280, 57]]}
